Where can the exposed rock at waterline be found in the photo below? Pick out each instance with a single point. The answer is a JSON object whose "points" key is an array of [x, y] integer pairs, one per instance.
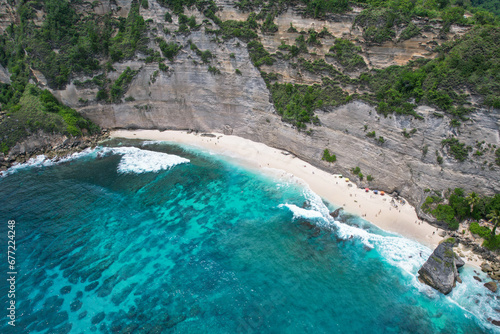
{"points": [[492, 286], [335, 213], [440, 270]]}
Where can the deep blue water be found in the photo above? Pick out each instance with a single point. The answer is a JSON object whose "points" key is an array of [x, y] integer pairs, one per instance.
{"points": [[127, 240]]}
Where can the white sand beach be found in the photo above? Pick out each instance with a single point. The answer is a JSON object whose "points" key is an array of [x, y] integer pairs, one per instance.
{"points": [[377, 209]]}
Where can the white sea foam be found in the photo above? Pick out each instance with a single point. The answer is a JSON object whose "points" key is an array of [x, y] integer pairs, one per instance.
{"points": [[153, 142], [304, 213], [408, 255], [404, 253], [42, 161], [134, 160], [473, 297]]}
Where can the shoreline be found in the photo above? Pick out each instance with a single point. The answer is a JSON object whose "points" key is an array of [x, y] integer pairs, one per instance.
{"points": [[376, 209]]}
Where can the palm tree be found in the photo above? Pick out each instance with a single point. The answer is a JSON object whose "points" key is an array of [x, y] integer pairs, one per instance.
{"points": [[472, 199], [494, 217]]}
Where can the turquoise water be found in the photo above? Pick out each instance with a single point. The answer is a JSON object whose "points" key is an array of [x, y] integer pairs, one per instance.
{"points": [[157, 238]]}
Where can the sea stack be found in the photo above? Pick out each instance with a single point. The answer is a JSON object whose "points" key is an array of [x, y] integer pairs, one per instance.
{"points": [[440, 270]]}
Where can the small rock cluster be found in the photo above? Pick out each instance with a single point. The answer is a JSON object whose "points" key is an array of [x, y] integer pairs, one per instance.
{"points": [[492, 269]]}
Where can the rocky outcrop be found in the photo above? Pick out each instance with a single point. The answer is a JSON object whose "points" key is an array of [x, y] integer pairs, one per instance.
{"points": [[492, 286], [440, 270], [336, 213], [4, 75], [492, 269], [51, 145], [7, 15]]}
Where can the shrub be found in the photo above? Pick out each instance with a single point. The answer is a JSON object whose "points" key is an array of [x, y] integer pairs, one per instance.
{"points": [[214, 70], [119, 87], [102, 95], [483, 231], [259, 55], [446, 214], [297, 103], [130, 37], [492, 243], [347, 54], [456, 148], [244, 30], [168, 17], [163, 67], [170, 49], [328, 157], [269, 26], [410, 31]]}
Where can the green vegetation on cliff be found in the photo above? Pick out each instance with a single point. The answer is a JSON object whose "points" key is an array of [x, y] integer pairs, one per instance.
{"points": [[469, 63], [39, 110], [460, 206], [68, 43], [328, 157], [313, 8], [296, 103], [347, 54], [118, 88], [73, 41]]}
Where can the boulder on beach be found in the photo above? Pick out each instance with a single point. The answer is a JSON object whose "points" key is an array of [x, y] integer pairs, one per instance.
{"points": [[440, 270]]}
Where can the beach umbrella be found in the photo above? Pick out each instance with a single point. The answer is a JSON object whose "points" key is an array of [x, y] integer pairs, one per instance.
{"points": [[375, 191], [382, 193], [346, 180], [367, 190]]}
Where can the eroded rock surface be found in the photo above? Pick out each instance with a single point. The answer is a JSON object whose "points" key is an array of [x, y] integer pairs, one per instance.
{"points": [[440, 270]]}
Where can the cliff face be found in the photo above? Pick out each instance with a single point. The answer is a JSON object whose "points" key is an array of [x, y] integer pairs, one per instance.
{"points": [[7, 15], [188, 96]]}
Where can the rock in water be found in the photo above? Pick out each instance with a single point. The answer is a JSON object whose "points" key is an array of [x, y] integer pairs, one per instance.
{"points": [[459, 262], [336, 213], [492, 286], [440, 270]]}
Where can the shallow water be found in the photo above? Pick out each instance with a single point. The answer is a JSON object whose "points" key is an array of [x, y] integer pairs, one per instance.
{"points": [[126, 239]]}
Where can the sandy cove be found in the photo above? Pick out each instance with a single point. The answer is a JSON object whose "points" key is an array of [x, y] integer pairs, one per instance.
{"points": [[377, 209]]}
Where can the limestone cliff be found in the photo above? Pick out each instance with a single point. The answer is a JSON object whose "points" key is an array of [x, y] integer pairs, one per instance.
{"points": [[188, 96]]}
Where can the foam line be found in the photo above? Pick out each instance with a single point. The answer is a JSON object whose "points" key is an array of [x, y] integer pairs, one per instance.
{"points": [[409, 256], [134, 160]]}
